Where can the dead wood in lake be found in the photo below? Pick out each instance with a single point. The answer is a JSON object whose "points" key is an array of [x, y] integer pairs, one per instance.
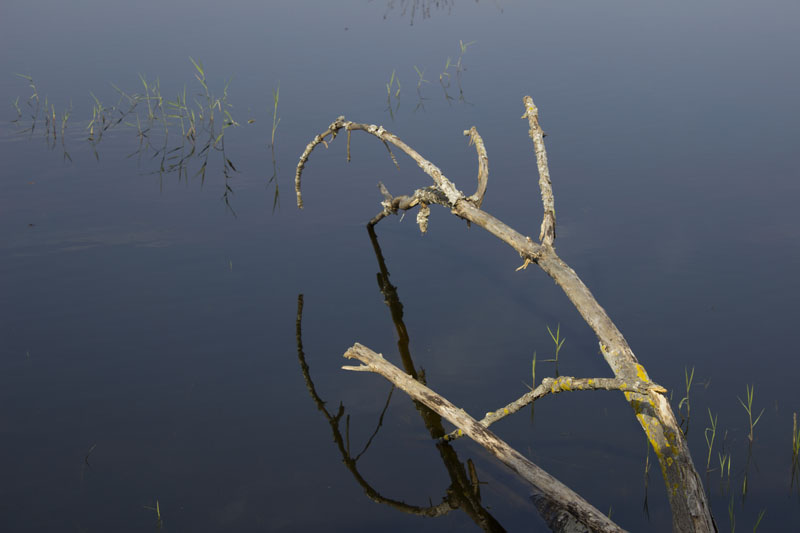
{"points": [[690, 510]]}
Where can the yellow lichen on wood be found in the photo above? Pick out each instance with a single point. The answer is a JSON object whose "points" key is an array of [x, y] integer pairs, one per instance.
{"points": [[642, 373]]}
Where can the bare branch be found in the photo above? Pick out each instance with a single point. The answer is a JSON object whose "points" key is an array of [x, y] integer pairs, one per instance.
{"points": [[332, 130], [562, 384], [548, 232], [689, 504], [444, 185], [543, 481]]}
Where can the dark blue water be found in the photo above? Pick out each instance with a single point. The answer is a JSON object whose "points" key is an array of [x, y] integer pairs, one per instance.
{"points": [[150, 325]]}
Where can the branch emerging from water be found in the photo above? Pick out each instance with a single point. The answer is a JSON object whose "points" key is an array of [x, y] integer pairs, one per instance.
{"points": [[554, 489]]}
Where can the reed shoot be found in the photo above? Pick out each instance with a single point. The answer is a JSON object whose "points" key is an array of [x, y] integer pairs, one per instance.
{"points": [[748, 407], [689, 377], [559, 343], [795, 451], [759, 519], [710, 440], [275, 119]]}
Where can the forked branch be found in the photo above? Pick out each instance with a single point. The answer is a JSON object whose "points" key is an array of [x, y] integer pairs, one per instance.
{"points": [[690, 511], [561, 384], [550, 486]]}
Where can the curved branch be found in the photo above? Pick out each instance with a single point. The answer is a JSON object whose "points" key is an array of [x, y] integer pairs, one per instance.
{"points": [[483, 166], [332, 130], [442, 183], [689, 504]]}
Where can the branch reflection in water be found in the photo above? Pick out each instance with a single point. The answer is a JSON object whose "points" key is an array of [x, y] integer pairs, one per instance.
{"points": [[464, 490]]}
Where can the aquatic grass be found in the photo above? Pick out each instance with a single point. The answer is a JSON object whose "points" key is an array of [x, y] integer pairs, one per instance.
{"points": [[759, 519], [795, 452], [724, 465], [420, 80], [275, 122], [559, 343], [44, 111], [275, 119], [710, 441], [445, 78], [185, 135], [15, 103], [748, 407], [463, 47], [393, 92], [645, 505], [421, 75], [393, 81], [685, 401], [157, 510], [445, 72]]}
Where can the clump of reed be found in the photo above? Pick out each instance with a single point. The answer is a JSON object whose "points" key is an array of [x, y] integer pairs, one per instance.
{"points": [[44, 113], [180, 134]]}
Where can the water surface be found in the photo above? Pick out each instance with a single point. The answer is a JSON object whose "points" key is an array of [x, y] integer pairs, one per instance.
{"points": [[152, 326]]}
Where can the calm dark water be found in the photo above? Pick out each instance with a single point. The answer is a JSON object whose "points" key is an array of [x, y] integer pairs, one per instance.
{"points": [[145, 324]]}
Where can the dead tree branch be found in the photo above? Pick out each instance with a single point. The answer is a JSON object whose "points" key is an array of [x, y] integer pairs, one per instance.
{"points": [[690, 511], [547, 233], [554, 489], [555, 386]]}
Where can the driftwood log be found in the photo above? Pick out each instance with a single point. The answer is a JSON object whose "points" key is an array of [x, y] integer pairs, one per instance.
{"points": [[690, 511]]}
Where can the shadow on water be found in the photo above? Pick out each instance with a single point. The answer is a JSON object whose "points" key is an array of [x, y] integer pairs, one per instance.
{"points": [[464, 491]]}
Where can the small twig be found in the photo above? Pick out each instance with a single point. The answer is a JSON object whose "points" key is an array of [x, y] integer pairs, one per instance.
{"points": [[394, 159], [548, 232]]}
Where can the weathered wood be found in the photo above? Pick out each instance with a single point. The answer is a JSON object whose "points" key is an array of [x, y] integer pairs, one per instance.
{"points": [[690, 510], [557, 385], [541, 480]]}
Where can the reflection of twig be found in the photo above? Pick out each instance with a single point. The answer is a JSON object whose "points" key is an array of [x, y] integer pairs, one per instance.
{"points": [[464, 490], [433, 510]]}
